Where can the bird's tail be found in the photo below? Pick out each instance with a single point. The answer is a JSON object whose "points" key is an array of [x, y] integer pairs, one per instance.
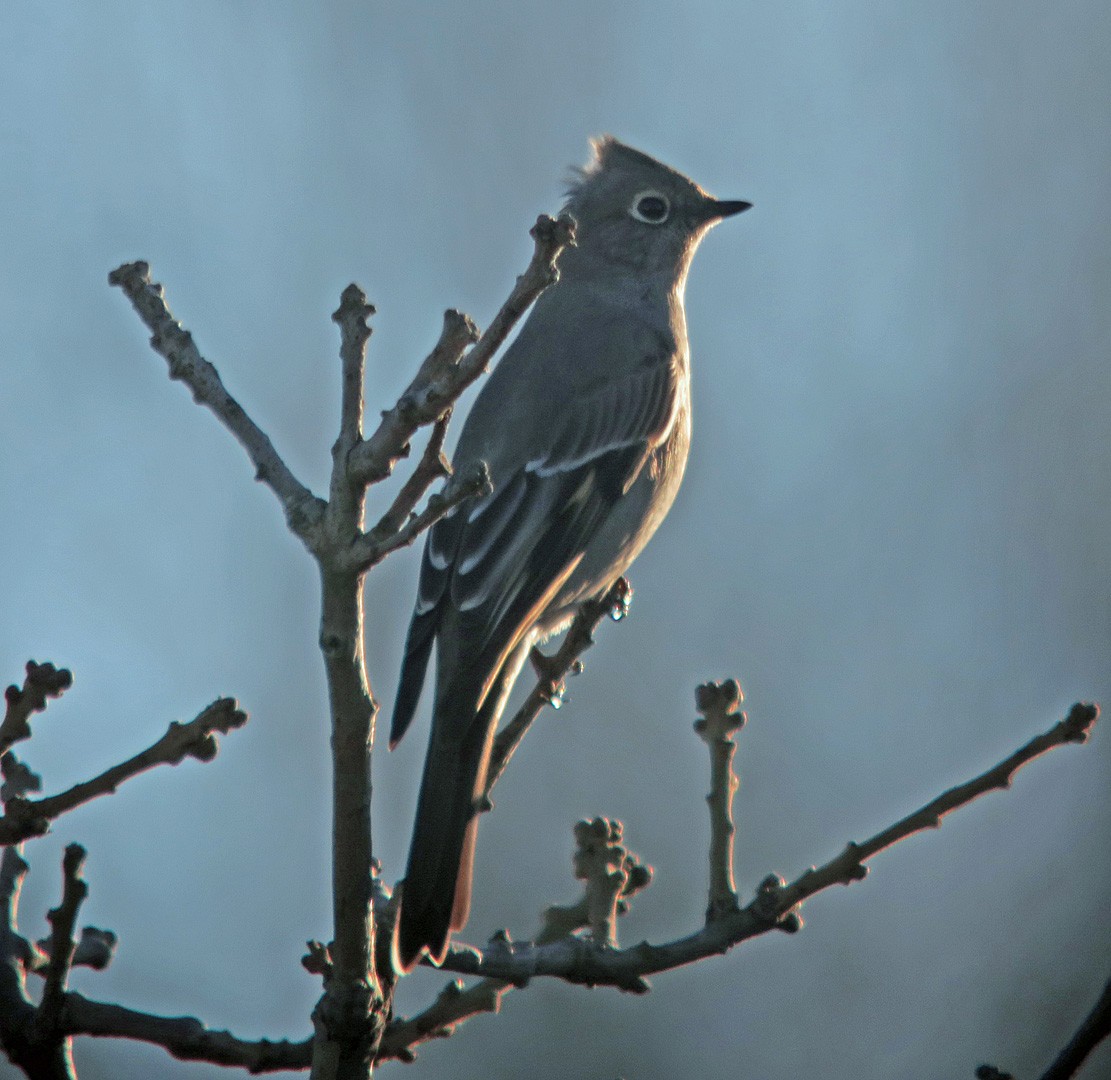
{"points": [[436, 893]]}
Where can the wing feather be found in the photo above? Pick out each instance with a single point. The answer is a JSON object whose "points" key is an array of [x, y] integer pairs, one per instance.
{"points": [[500, 560]]}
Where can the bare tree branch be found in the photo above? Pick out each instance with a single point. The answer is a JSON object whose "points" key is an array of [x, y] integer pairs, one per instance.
{"points": [[445, 375], [185, 1037], [432, 466], [552, 670], [457, 333], [849, 865], [30, 817], [34, 1038], [349, 1018], [37, 1040], [580, 960], [561, 921], [456, 1004], [96, 949], [351, 1032], [16, 1011], [345, 503], [718, 703], [367, 552], [63, 920], [1094, 1028], [175, 344], [600, 861], [19, 779], [41, 682], [18, 1030]]}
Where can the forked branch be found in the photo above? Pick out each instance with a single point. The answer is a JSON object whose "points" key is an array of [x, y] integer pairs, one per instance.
{"points": [[24, 818], [774, 906], [448, 372], [176, 346], [600, 861]]}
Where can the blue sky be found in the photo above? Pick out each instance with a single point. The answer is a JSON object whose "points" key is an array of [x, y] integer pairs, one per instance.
{"points": [[893, 529]]}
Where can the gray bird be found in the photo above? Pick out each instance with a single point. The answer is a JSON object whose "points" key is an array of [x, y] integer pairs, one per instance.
{"points": [[585, 425]]}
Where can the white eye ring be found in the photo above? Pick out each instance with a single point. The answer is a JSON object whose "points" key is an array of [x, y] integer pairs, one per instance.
{"points": [[651, 207]]}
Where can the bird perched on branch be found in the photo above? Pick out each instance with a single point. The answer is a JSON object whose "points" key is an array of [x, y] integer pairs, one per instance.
{"points": [[585, 425]]}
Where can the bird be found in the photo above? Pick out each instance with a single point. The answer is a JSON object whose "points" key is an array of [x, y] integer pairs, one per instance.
{"points": [[584, 425]]}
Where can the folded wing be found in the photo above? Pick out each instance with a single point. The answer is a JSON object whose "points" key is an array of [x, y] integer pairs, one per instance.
{"points": [[499, 560]]}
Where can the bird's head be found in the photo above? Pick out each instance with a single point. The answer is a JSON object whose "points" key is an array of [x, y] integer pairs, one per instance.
{"points": [[634, 211]]}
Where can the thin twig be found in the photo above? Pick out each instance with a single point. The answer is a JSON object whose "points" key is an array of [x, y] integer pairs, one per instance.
{"points": [[172, 341], [13, 867], [63, 920], [31, 817], [849, 865], [561, 921], [455, 1005], [432, 466], [439, 383], [718, 703], [452, 1006], [367, 552], [578, 960], [38, 1039], [345, 504], [20, 780], [458, 332], [184, 1037], [552, 670], [18, 1031], [1094, 1028], [41, 682], [96, 949], [15, 950], [600, 862], [349, 1018]]}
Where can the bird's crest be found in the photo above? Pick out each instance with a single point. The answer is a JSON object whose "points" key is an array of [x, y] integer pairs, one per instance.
{"points": [[609, 158]]}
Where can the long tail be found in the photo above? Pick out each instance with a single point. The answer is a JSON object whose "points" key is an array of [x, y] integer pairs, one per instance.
{"points": [[436, 894]]}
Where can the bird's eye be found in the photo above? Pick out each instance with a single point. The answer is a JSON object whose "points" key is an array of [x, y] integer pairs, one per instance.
{"points": [[650, 207]]}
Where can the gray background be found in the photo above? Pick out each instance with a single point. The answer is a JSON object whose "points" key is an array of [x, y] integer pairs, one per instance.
{"points": [[894, 529]]}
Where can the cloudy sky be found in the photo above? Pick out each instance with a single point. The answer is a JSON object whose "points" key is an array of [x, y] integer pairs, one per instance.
{"points": [[894, 529]]}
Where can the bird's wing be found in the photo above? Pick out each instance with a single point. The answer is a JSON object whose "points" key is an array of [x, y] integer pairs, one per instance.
{"points": [[499, 560]]}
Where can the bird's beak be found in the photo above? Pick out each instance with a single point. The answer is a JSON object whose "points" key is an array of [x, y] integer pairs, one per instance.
{"points": [[716, 209]]}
